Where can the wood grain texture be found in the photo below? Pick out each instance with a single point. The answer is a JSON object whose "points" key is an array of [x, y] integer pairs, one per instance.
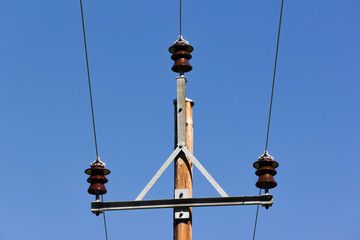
{"points": [[183, 175]]}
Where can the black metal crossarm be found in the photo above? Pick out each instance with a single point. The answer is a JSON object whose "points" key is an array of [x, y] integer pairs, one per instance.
{"points": [[264, 200]]}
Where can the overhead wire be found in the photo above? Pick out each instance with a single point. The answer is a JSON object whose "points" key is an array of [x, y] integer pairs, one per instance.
{"points": [[106, 234], [273, 82], [88, 74], [257, 214], [271, 102], [91, 101], [180, 18]]}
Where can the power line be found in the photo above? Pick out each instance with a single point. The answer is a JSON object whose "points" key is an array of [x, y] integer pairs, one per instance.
{"points": [[256, 218], [180, 17], [91, 102], [106, 235], [273, 83], [271, 101], [88, 74]]}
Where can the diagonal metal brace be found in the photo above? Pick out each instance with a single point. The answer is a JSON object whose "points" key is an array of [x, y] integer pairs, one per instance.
{"points": [[160, 172], [204, 172], [181, 147]]}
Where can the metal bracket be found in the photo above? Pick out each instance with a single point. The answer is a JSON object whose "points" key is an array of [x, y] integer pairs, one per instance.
{"points": [[181, 193], [183, 212]]}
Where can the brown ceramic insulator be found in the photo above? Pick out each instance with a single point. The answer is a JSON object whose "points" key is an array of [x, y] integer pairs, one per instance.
{"points": [[266, 170], [266, 181], [97, 178], [181, 55]]}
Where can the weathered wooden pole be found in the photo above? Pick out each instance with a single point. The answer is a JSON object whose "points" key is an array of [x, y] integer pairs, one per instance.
{"points": [[183, 173]]}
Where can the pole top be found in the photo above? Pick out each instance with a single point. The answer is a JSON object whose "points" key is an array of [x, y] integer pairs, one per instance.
{"points": [[186, 100]]}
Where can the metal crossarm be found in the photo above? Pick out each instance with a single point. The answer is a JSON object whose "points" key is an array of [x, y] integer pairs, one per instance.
{"points": [[264, 200]]}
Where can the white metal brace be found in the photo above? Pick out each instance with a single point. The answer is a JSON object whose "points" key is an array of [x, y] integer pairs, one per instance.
{"points": [[204, 172], [158, 173], [181, 148]]}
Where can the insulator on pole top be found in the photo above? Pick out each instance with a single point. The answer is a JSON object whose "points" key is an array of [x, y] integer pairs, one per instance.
{"points": [[97, 179], [266, 170], [181, 55]]}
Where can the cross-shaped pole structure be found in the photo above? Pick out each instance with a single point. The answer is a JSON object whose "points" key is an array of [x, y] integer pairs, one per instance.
{"points": [[184, 160]]}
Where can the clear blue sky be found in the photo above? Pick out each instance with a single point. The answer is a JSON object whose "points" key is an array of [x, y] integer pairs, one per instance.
{"points": [[46, 131]]}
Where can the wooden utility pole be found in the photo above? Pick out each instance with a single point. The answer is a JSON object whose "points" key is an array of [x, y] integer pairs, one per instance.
{"points": [[183, 173]]}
